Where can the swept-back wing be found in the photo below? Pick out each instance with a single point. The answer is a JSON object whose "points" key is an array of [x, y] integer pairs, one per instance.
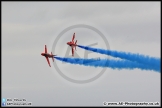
{"points": [[73, 37], [45, 49], [48, 61]]}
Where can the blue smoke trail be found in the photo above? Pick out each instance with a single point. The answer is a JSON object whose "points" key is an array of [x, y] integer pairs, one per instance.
{"points": [[152, 61], [114, 64]]}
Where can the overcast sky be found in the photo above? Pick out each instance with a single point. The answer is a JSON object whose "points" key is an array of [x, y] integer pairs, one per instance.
{"points": [[28, 26]]}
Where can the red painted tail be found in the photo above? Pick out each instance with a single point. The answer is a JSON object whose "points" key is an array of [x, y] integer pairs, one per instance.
{"points": [[52, 57], [75, 44]]}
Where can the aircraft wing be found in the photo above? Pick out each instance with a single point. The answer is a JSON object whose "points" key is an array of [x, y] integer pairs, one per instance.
{"points": [[73, 37], [48, 61], [45, 49], [72, 51]]}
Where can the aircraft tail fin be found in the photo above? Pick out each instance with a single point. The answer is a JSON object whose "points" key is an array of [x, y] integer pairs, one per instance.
{"points": [[52, 57], [75, 44]]}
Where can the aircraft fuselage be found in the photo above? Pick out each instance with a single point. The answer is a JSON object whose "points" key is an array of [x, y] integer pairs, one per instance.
{"points": [[47, 55], [71, 44]]}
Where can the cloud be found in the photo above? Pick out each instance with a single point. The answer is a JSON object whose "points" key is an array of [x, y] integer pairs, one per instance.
{"points": [[112, 12]]}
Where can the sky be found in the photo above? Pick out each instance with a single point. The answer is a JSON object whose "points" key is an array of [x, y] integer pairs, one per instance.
{"points": [[127, 26]]}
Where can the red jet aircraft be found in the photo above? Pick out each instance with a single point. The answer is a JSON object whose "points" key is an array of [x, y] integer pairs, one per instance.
{"points": [[47, 55], [72, 44]]}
